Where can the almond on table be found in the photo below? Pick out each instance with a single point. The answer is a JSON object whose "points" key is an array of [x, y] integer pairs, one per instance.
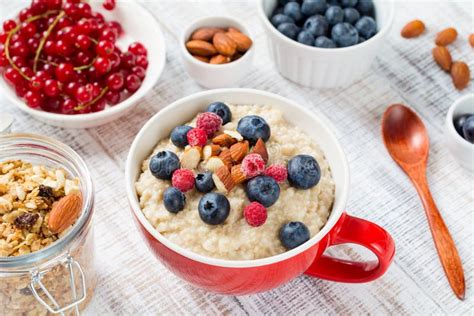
{"points": [[460, 74], [442, 56], [413, 29], [446, 36]]}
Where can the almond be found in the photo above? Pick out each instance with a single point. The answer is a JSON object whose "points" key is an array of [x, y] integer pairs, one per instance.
{"points": [[201, 48], [442, 57], [65, 212], [233, 29], [446, 36], [243, 41], [460, 74], [191, 157], [214, 163], [224, 44], [226, 158], [413, 29], [224, 140], [223, 180], [261, 149], [235, 135], [210, 150], [471, 40], [201, 58], [237, 174], [239, 151], [219, 59], [205, 33]]}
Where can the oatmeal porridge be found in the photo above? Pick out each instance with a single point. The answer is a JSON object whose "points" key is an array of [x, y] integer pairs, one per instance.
{"points": [[246, 187]]}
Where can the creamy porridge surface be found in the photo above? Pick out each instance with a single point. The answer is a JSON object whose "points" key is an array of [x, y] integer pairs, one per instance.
{"points": [[235, 239]]}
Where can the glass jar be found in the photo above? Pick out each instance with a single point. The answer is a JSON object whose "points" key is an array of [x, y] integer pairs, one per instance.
{"points": [[60, 278]]}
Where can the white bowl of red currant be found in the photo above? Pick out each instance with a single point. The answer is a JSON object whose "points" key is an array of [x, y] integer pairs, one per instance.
{"points": [[79, 64]]}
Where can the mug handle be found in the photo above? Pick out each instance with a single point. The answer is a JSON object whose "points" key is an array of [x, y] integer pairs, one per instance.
{"points": [[358, 231]]}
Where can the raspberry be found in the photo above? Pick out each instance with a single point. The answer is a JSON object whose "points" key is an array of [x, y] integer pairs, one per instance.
{"points": [[253, 165], [197, 137], [210, 122], [183, 179], [277, 172], [255, 214]]}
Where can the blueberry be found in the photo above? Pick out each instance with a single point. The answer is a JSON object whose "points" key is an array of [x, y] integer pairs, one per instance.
{"points": [[174, 200], [293, 234], [222, 110], [324, 42], [284, 2], [288, 29], [213, 208], [263, 189], [459, 122], [316, 25], [366, 27], [253, 127], [365, 7], [178, 135], [281, 18], [163, 164], [303, 172], [334, 15], [278, 10], [468, 129], [361, 40], [351, 15], [348, 3], [204, 182], [344, 34], [311, 7], [293, 10], [305, 37]]}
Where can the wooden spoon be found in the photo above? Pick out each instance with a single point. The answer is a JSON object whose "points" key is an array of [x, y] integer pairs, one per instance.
{"points": [[406, 140]]}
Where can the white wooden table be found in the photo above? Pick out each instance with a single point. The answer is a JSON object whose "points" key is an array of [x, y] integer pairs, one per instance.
{"points": [[132, 281]]}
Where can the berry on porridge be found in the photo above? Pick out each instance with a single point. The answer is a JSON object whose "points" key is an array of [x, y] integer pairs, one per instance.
{"points": [[38, 205], [245, 184]]}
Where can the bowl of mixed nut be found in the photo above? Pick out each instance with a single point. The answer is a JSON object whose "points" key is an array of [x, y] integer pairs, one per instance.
{"points": [[216, 51]]}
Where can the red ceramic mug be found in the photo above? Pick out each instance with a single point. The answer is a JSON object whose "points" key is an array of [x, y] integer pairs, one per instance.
{"points": [[239, 277]]}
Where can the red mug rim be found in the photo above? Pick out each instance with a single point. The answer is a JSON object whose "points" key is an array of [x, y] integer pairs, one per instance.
{"points": [[130, 179]]}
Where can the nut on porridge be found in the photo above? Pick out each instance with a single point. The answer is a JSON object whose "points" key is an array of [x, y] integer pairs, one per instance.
{"points": [[238, 182], [32, 212]]}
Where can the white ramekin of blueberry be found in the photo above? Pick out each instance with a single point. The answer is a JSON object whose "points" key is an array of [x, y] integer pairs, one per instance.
{"points": [[460, 131], [325, 43]]}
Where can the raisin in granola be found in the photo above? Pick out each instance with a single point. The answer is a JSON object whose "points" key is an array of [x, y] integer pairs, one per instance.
{"points": [[26, 220]]}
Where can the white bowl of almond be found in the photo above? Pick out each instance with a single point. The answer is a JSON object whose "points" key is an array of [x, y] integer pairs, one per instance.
{"points": [[216, 51]]}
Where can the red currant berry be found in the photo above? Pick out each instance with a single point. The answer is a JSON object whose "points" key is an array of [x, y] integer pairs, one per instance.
{"points": [[33, 99], [9, 25], [102, 65], [48, 68], [71, 88], [114, 60], [132, 83], [3, 59], [128, 60], [65, 72], [109, 4], [142, 61], [19, 48], [33, 43], [83, 58], [116, 26], [36, 84], [62, 48], [108, 34], [104, 48], [25, 14], [112, 97], [21, 89], [91, 74], [28, 29], [19, 61], [62, 23], [115, 81], [3, 38], [83, 95], [51, 88], [71, 10], [27, 71], [139, 71], [84, 9], [52, 104], [94, 88], [137, 49], [42, 75], [83, 42], [38, 7], [41, 25], [85, 110], [49, 48], [84, 26], [68, 105], [12, 76], [98, 16], [99, 105]]}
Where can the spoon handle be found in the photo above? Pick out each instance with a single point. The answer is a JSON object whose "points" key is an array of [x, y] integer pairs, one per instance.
{"points": [[445, 246]]}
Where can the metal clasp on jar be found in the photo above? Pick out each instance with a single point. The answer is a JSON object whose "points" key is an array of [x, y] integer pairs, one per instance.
{"points": [[54, 307]]}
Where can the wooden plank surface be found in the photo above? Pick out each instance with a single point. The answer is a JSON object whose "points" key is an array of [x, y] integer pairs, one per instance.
{"points": [[132, 281]]}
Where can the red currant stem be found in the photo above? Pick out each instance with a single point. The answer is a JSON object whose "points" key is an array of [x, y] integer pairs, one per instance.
{"points": [[93, 40], [86, 66], [45, 37], [83, 106], [44, 61], [12, 32]]}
